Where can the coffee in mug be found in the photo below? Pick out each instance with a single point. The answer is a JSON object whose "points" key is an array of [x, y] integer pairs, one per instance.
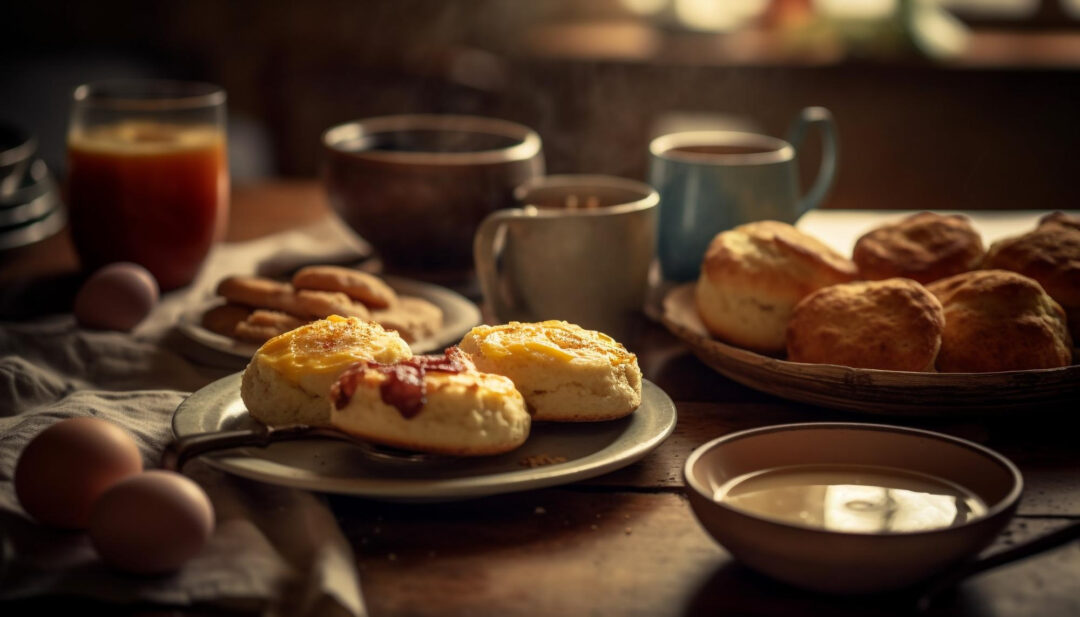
{"points": [[711, 181]]}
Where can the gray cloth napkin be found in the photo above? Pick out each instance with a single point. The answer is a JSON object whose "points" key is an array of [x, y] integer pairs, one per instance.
{"points": [[275, 550]]}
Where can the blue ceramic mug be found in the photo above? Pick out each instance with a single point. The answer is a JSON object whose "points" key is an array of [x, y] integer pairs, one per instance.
{"points": [[710, 181]]}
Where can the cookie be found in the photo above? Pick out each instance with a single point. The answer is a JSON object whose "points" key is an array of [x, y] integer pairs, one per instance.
{"points": [[259, 292], [223, 319], [262, 325], [361, 286], [414, 318]]}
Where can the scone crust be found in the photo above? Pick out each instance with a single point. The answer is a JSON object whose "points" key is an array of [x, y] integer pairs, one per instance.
{"points": [[923, 247], [288, 379], [566, 373], [1050, 254], [895, 324], [754, 275], [466, 414], [997, 320], [1061, 219]]}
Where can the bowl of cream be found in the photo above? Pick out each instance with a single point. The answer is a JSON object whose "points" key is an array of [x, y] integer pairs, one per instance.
{"points": [[850, 507]]}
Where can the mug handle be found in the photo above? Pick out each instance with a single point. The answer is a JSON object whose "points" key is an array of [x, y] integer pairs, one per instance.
{"points": [[484, 251], [808, 117]]}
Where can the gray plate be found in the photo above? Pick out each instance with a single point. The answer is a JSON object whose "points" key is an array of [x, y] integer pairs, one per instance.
{"points": [[590, 449], [459, 316]]}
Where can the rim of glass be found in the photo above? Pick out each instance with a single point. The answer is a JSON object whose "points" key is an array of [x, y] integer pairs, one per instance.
{"points": [[526, 141], [773, 150], [149, 94]]}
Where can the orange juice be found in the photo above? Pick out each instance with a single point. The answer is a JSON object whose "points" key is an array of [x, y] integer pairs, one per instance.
{"points": [[152, 193]]}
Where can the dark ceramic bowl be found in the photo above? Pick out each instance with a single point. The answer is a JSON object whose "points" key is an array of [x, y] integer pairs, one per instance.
{"points": [[417, 186]]}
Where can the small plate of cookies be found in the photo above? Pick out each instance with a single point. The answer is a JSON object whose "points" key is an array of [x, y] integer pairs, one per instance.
{"points": [[342, 405], [247, 311], [921, 320]]}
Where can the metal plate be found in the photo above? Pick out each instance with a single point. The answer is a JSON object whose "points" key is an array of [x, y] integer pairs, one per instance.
{"points": [[590, 449]]}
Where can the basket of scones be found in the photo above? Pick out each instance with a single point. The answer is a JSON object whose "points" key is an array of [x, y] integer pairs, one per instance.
{"points": [[922, 319]]}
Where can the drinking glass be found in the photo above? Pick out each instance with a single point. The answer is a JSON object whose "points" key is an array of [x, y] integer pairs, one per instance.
{"points": [[147, 175]]}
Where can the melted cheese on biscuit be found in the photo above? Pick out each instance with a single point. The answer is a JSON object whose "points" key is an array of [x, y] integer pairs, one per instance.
{"points": [[330, 345], [553, 340]]}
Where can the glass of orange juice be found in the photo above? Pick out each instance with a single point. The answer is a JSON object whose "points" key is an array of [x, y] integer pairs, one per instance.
{"points": [[147, 175]]}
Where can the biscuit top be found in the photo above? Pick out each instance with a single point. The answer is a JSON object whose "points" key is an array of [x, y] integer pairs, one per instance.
{"points": [[1000, 321], [1061, 219], [895, 324], [997, 293], [552, 340], [329, 345], [1050, 254], [776, 256], [924, 247]]}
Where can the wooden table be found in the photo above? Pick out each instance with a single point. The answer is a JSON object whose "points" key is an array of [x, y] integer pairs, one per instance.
{"points": [[627, 543]]}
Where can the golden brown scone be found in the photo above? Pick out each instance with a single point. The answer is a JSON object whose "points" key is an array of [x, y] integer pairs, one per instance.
{"points": [[259, 292], [262, 325], [895, 325], [439, 404], [997, 320], [565, 372], [923, 247], [413, 318], [755, 274], [1062, 219], [1049, 254], [367, 288], [288, 380], [223, 319]]}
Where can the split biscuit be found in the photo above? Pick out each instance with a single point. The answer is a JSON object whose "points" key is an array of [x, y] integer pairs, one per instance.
{"points": [[288, 380], [262, 325], [565, 372], [437, 404]]}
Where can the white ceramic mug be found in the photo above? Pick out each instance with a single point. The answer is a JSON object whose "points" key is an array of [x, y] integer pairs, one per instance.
{"points": [[577, 249]]}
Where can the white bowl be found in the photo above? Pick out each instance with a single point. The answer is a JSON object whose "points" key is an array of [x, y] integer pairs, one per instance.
{"points": [[847, 562]]}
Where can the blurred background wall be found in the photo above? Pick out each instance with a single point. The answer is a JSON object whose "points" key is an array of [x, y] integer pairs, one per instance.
{"points": [[939, 103]]}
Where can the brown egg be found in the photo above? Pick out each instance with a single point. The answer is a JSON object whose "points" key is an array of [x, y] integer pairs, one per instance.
{"points": [[66, 467], [151, 523], [116, 297]]}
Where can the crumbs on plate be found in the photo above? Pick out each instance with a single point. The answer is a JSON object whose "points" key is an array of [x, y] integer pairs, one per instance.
{"points": [[539, 460]]}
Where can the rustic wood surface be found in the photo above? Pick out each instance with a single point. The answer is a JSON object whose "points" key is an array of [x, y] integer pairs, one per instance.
{"points": [[627, 543]]}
